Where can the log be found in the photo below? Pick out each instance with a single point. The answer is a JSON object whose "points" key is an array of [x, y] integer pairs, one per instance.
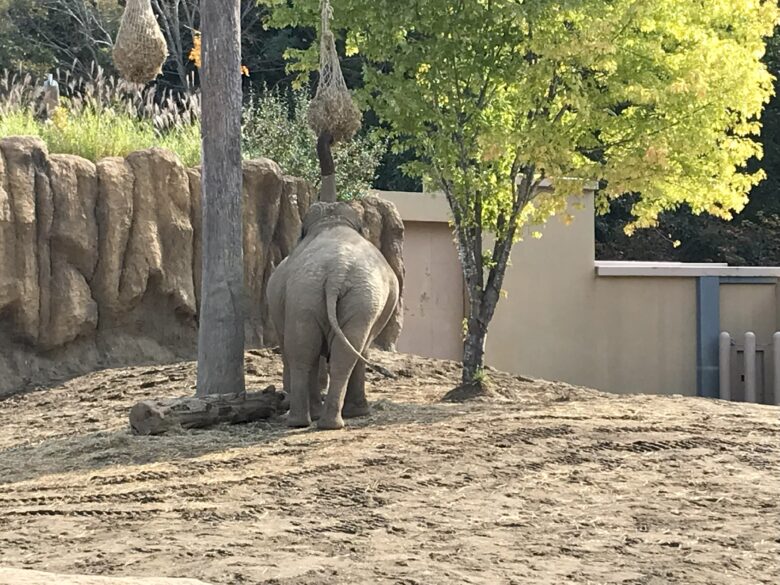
{"points": [[155, 417]]}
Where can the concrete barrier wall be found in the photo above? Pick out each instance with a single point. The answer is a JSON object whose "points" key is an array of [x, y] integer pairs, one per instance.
{"points": [[623, 328], [749, 307], [433, 300]]}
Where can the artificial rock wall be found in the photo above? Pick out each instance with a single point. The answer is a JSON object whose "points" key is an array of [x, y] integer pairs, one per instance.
{"points": [[100, 263]]}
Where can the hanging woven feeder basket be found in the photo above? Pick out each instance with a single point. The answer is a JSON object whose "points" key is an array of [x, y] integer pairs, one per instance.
{"points": [[332, 109], [140, 49]]}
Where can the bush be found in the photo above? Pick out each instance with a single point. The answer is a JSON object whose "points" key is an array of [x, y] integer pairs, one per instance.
{"points": [[18, 124], [275, 127], [105, 116], [102, 117]]}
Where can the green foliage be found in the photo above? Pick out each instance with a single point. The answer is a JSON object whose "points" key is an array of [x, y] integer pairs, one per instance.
{"points": [[764, 197], [750, 239], [275, 127], [659, 98]]}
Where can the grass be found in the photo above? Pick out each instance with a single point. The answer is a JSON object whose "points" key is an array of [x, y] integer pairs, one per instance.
{"points": [[94, 135], [105, 116], [184, 141], [18, 124], [101, 117]]}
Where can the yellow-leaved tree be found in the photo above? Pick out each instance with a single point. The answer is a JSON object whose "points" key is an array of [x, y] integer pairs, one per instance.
{"points": [[658, 98]]}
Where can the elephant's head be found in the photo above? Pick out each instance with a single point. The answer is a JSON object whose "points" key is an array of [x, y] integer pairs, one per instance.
{"points": [[326, 215]]}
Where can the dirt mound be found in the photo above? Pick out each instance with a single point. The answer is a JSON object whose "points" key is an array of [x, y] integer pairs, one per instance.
{"points": [[545, 483], [499, 387], [469, 391]]}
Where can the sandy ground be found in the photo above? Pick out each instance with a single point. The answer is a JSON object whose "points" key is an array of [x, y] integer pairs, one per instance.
{"points": [[545, 484]]}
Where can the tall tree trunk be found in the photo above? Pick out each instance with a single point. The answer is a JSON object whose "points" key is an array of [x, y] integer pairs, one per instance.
{"points": [[221, 324]]}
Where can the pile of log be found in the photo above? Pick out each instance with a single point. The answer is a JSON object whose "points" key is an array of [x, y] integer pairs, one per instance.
{"points": [[155, 417]]}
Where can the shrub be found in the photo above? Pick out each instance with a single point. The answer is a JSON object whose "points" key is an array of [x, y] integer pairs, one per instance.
{"points": [[275, 127], [18, 124], [102, 117], [106, 116]]}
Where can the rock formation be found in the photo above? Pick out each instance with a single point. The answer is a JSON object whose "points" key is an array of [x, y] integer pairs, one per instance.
{"points": [[100, 265]]}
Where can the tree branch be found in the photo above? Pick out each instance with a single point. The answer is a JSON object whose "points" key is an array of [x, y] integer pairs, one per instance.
{"points": [[524, 193]]}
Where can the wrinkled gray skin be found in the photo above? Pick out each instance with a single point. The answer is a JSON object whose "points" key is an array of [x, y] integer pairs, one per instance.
{"points": [[331, 297]]}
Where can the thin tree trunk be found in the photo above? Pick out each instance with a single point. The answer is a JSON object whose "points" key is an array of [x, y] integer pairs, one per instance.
{"points": [[484, 296], [221, 323], [168, 15], [473, 350]]}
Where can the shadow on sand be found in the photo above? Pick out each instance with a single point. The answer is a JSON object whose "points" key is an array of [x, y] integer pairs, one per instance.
{"points": [[95, 452]]}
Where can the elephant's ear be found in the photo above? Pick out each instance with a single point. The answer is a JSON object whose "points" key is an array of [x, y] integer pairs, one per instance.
{"points": [[313, 215], [351, 217]]}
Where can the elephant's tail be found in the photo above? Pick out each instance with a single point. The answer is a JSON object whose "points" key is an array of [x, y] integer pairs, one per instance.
{"points": [[331, 297]]}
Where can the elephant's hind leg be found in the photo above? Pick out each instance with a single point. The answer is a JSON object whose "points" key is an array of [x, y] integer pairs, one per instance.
{"points": [[355, 403], [299, 415], [322, 381], [340, 369], [315, 395], [285, 374], [302, 363], [342, 363]]}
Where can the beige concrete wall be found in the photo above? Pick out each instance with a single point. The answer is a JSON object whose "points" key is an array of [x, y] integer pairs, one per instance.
{"points": [[433, 293], [560, 321], [646, 335], [749, 307]]}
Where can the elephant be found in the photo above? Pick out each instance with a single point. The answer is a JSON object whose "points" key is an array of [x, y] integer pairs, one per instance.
{"points": [[331, 297]]}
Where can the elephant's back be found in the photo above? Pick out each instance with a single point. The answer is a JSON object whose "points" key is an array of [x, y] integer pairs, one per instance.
{"points": [[340, 245], [350, 249], [340, 252]]}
